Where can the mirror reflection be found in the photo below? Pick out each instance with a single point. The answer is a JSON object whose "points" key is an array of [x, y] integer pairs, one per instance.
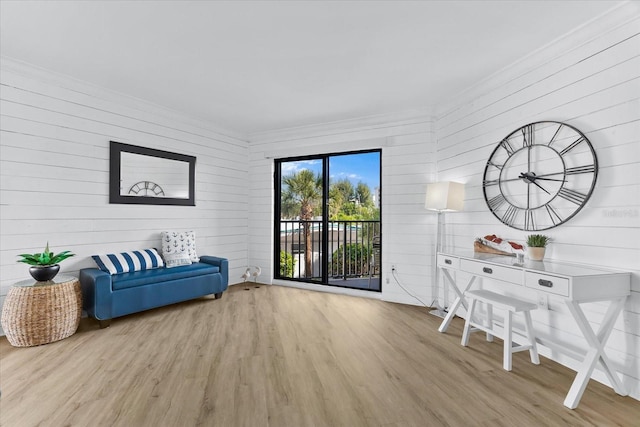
{"points": [[140, 175], [145, 176]]}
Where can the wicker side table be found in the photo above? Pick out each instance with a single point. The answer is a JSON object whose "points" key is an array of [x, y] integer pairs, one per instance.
{"points": [[37, 313]]}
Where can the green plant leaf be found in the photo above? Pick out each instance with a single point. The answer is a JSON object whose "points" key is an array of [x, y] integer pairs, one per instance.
{"points": [[537, 240], [45, 258], [28, 259], [61, 257]]}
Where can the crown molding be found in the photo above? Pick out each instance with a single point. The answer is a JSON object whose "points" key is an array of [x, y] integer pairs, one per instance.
{"points": [[619, 15], [357, 124], [34, 72]]}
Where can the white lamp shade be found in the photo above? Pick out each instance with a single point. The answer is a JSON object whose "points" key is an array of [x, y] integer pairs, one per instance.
{"points": [[444, 196]]}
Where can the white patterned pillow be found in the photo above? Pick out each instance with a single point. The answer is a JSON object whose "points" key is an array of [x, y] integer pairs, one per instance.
{"points": [[179, 242], [176, 259], [126, 262]]}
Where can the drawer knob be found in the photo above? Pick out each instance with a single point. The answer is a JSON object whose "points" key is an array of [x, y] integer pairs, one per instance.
{"points": [[545, 283], [487, 270], [447, 261]]}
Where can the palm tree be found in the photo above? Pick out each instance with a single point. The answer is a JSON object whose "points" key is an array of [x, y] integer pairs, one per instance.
{"points": [[303, 190], [363, 194], [340, 192]]}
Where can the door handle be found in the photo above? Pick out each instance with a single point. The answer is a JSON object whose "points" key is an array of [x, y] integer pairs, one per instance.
{"points": [[487, 270], [447, 261]]}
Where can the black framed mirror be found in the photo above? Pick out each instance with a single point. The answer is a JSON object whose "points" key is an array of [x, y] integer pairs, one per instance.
{"points": [[145, 176]]}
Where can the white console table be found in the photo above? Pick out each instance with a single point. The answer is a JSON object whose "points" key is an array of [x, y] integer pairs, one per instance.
{"points": [[576, 284]]}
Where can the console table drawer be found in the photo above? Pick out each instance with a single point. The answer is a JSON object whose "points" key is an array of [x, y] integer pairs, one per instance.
{"points": [[446, 261], [546, 283], [505, 274]]}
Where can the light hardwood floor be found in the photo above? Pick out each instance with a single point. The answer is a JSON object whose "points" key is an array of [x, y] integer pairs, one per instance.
{"points": [[277, 356]]}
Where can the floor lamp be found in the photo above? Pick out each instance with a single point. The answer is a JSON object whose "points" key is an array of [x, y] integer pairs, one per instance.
{"points": [[442, 197]]}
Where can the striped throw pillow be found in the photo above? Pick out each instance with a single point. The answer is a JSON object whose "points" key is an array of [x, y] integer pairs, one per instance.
{"points": [[126, 262]]}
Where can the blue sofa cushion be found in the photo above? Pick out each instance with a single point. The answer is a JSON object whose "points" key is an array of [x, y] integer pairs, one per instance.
{"points": [[145, 277]]}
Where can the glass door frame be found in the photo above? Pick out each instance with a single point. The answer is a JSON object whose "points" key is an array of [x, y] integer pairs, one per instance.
{"points": [[324, 245]]}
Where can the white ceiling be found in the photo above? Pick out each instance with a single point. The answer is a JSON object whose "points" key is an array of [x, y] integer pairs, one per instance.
{"points": [[253, 66]]}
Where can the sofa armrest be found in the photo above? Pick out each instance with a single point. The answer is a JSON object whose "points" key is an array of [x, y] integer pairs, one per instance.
{"points": [[223, 263], [96, 292]]}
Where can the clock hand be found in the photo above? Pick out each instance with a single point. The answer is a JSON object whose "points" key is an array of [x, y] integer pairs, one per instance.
{"points": [[530, 178], [540, 186], [527, 175], [523, 175], [547, 179], [533, 177], [549, 174]]}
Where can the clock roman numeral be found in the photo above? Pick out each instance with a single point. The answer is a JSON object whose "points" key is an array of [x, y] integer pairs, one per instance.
{"points": [[490, 182], [507, 146], [553, 214], [580, 169], [527, 136], [496, 202], [573, 145], [572, 196], [555, 134], [509, 217], [490, 163], [529, 223]]}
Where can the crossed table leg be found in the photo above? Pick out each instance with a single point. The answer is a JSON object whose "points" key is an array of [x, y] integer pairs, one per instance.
{"points": [[595, 353], [596, 341], [456, 303]]}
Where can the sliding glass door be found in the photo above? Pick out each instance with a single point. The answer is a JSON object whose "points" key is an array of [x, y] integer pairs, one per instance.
{"points": [[327, 225], [299, 224]]}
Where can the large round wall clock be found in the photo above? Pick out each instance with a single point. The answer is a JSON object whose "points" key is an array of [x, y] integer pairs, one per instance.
{"points": [[146, 188], [540, 176]]}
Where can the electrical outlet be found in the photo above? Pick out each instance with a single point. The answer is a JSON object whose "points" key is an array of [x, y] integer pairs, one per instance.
{"points": [[543, 301], [387, 280]]}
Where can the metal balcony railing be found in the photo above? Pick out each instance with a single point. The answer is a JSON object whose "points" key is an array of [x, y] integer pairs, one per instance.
{"points": [[353, 249]]}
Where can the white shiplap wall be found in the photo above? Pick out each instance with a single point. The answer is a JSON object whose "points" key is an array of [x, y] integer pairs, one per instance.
{"points": [[591, 80], [54, 171], [54, 166], [408, 163]]}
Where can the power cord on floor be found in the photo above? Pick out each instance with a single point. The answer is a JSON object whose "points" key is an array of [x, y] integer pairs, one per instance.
{"points": [[395, 277]]}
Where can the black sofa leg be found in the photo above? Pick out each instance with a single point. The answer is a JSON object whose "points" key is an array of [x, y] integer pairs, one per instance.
{"points": [[218, 295], [104, 323]]}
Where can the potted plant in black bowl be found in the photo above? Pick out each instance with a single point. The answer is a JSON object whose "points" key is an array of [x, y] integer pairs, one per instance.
{"points": [[44, 266]]}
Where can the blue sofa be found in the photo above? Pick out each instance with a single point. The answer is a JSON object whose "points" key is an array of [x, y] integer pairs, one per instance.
{"points": [[106, 296]]}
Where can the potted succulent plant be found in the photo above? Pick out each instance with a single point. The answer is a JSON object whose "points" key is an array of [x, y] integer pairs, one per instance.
{"points": [[44, 266], [536, 246]]}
